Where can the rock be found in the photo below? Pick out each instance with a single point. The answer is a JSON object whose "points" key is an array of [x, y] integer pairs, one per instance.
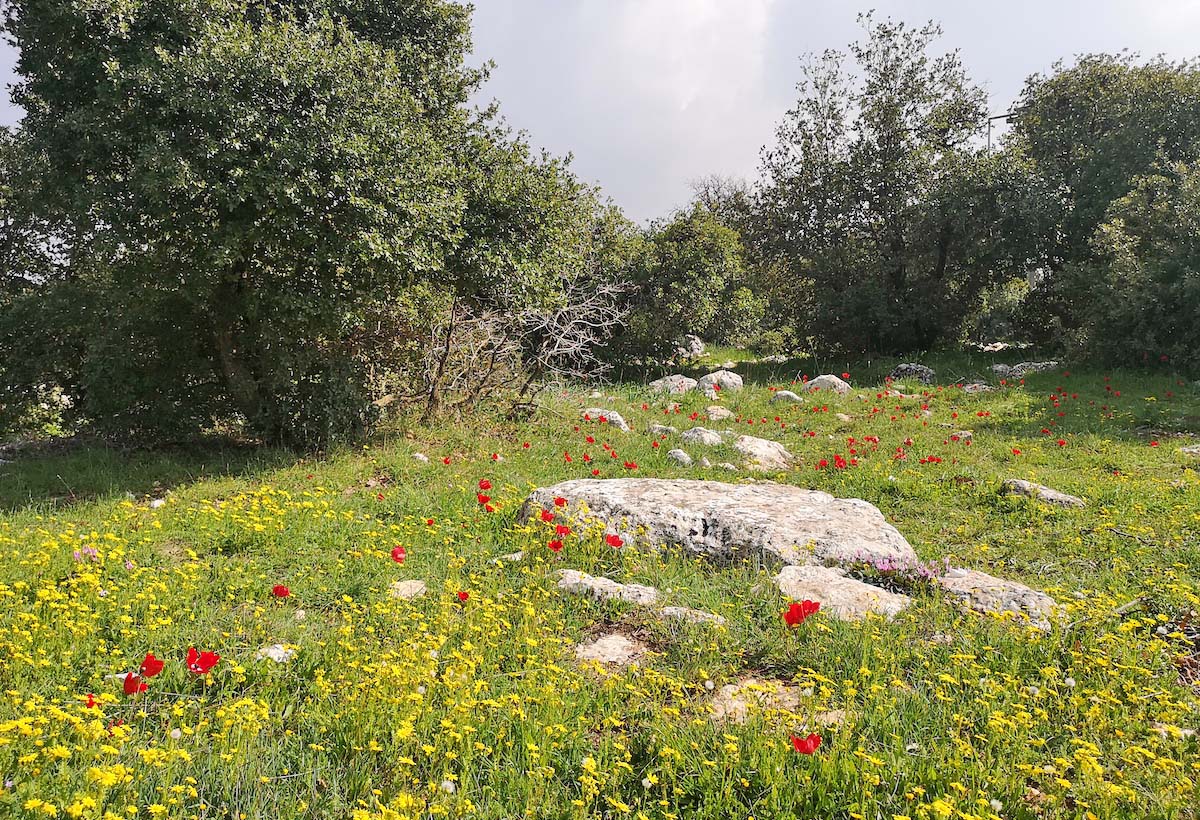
{"points": [[407, 590], [725, 465], [718, 413], [1191, 451], [614, 649], [690, 347], [673, 384], [773, 522], [734, 701], [763, 454], [661, 430], [1020, 371], [691, 616], [1017, 486], [421, 457], [702, 435], [977, 387], [276, 652], [962, 435], [513, 557], [595, 394], [605, 589], [602, 416], [843, 417], [728, 365], [778, 358], [909, 370], [841, 596], [828, 383], [679, 457], [155, 503], [704, 462], [985, 593], [785, 396], [723, 379]]}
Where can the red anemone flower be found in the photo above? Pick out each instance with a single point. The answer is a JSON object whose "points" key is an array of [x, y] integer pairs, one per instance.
{"points": [[797, 613], [484, 484], [134, 684], [547, 516], [399, 553], [151, 666], [280, 591], [555, 545], [463, 595], [559, 501], [806, 745], [200, 663], [614, 540]]}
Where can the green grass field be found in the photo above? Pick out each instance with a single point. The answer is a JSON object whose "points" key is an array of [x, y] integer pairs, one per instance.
{"points": [[468, 702]]}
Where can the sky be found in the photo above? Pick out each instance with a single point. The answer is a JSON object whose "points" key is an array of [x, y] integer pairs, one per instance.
{"points": [[650, 95]]}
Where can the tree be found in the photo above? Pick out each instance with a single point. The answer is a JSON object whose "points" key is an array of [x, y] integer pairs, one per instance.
{"points": [[1093, 129], [877, 200], [258, 187]]}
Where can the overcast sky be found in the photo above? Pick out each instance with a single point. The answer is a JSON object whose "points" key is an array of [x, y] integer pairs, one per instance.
{"points": [[651, 94]]}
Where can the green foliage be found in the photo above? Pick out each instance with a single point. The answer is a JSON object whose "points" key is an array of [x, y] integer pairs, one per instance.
{"points": [[269, 179], [887, 219], [1141, 298]]}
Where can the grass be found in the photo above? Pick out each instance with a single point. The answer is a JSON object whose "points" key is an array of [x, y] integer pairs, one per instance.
{"points": [[443, 707]]}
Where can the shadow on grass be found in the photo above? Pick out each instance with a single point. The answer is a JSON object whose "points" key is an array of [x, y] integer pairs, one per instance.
{"points": [[70, 472]]}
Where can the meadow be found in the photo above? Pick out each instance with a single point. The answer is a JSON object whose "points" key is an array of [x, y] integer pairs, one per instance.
{"points": [[332, 698]]}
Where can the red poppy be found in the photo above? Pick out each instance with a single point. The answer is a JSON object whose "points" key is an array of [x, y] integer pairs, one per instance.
{"points": [[484, 484], [559, 501], [561, 530], [547, 516], [463, 595], [1016, 452], [567, 457], [134, 684], [525, 445], [555, 545], [399, 553], [446, 460], [614, 540], [151, 666], [1061, 443], [797, 613], [806, 745], [846, 376], [91, 701], [428, 522], [482, 499], [591, 439], [379, 496], [495, 456], [280, 591], [654, 444], [1154, 444], [630, 465], [595, 472], [200, 663]]}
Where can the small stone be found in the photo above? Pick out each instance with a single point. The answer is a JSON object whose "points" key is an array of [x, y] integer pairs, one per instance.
{"points": [[842, 417], [610, 417], [661, 430], [691, 616], [702, 435], [155, 503], [963, 435], [977, 387], [780, 396], [718, 413], [407, 590], [722, 379], [421, 457], [763, 454], [614, 649], [513, 557], [680, 457], [841, 596], [1194, 450], [276, 652], [828, 382], [986, 593], [1017, 486], [673, 385], [704, 462], [605, 589], [725, 465]]}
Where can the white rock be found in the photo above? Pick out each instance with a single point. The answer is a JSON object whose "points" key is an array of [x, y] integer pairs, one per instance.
{"points": [[718, 413], [155, 503], [679, 457], [691, 616], [407, 590], [421, 457], [977, 387], [610, 417], [725, 380], [690, 347], [702, 435], [775, 522], [1017, 486], [843, 417], [986, 593], [1020, 371], [788, 396], [725, 465], [963, 435], [704, 462], [614, 649], [763, 454], [513, 557], [675, 384], [839, 595], [1191, 451], [734, 702], [276, 652], [661, 430], [605, 589], [828, 382]]}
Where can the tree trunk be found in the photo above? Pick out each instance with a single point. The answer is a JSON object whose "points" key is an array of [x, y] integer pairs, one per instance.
{"points": [[240, 380]]}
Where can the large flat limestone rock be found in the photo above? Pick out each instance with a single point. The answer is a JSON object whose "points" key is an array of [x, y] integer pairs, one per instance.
{"points": [[843, 597], [773, 522]]}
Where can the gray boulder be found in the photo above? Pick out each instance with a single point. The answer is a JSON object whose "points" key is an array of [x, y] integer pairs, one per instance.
{"points": [[1018, 486], [828, 382], [911, 370], [781, 396], [763, 454], [777, 523], [724, 379], [673, 385], [702, 435], [840, 596], [986, 593], [605, 589], [611, 417], [679, 457]]}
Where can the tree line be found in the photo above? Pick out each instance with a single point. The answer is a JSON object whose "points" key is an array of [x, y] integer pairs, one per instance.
{"points": [[289, 218]]}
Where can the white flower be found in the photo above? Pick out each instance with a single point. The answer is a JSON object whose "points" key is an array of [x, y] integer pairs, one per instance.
{"points": [[448, 787], [176, 734], [1069, 682]]}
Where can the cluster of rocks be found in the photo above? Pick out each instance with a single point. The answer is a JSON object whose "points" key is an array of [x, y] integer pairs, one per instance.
{"points": [[909, 370], [1020, 371], [815, 539], [709, 385]]}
